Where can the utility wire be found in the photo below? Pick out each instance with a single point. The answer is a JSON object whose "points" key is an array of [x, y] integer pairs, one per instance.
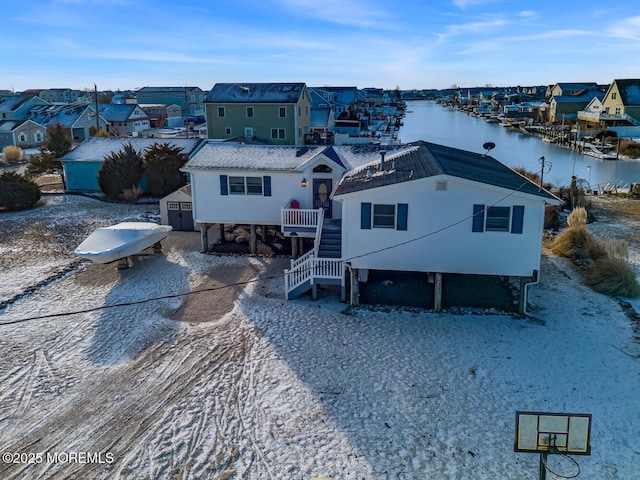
{"points": [[247, 282]]}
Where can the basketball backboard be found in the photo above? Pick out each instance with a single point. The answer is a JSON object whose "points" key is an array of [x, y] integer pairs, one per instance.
{"points": [[543, 432]]}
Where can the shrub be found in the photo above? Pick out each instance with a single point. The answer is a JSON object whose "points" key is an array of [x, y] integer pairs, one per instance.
{"points": [[17, 192], [131, 194], [612, 276], [578, 216], [616, 249], [11, 154], [576, 242], [162, 163], [120, 171]]}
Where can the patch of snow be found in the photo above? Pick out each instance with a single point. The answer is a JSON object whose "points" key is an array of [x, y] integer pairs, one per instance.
{"points": [[293, 389]]}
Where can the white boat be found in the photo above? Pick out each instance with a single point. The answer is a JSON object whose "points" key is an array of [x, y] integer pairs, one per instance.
{"points": [[108, 244]]}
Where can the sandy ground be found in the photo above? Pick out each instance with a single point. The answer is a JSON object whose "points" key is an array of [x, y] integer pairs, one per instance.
{"points": [[236, 382]]}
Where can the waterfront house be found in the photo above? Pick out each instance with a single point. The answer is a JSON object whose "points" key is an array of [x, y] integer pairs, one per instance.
{"points": [[272, 113], [82, 164], [418, 207]]}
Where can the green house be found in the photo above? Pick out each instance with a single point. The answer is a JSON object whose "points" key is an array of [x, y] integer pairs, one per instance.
{"points": [[271, 113]]}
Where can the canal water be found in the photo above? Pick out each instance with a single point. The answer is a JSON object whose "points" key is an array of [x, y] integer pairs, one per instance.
{"points": [[435, 123]]}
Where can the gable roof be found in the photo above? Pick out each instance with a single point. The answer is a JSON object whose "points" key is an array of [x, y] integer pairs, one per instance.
{"points": [[97, 148], [255, 93], [424, 159], [629, 91], [117, 113], [223, 155]]}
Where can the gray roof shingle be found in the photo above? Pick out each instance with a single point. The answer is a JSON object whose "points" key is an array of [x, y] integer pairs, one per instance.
{"points": [[255, 93], [424, 159], [222, 155]]}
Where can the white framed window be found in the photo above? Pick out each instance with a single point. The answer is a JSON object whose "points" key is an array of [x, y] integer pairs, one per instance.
{"points": [[282, 112], [173, 206], [498, 219], [254, 185], [23, 137], [221, 111], [245, 185], [250, 112], [384, 216], [227, 131], [249, 132], [614, 95], [236, 185]]}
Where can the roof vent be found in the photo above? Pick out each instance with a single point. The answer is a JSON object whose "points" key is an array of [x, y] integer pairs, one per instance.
{"points": [[245, 89]]}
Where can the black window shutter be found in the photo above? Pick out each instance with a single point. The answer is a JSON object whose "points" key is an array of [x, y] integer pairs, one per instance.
{"points": [[224, 189], [365, 216], [517, 220], [478, 218], [402, 218], [266, 180]]}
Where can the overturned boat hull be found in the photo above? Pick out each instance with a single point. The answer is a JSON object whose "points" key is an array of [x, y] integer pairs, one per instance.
{"points": [[109, 244]]}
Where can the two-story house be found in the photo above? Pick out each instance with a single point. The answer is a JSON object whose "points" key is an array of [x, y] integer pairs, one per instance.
{"points": [[189, 99], [272, 113]]}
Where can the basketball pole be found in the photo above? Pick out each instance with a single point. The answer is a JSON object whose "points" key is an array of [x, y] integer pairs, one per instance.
{"points": [[543, 466]]}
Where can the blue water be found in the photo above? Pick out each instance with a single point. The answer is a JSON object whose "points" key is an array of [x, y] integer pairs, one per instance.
{"points": [[432, 122]]}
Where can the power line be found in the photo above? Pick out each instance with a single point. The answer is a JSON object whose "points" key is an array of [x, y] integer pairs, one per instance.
{"points": [[247, 282]]}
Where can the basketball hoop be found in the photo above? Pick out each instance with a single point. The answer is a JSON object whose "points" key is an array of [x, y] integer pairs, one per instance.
{"points": [[553, 469]]}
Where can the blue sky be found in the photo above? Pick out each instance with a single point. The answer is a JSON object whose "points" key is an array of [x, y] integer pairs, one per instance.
{"points": [[128, 44]]}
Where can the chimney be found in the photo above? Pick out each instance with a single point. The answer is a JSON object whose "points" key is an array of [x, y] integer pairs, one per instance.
{"points": [[382, 154]]}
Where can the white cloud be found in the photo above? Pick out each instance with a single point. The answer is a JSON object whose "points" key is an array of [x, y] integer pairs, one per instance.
{"points": [[628, 29]]}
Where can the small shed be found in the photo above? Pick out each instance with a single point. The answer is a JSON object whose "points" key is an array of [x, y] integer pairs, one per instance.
{"points": [[176, 209]]}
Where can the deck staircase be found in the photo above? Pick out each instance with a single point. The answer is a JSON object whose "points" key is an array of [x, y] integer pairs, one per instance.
{"points": [[330, 239], [320, 266]]}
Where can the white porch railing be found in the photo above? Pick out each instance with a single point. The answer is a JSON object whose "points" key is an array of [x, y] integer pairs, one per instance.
{"points": [[300, 217], [312, 269]]}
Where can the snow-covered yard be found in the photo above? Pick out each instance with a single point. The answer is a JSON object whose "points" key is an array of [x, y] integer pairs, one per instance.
{"points": [[287, 390]]}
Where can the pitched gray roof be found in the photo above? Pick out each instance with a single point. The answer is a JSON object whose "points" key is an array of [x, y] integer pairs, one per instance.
{"points": [[97, 148], [223, 155], [629, 91], [117, 113], [424, 159], [255, 93]]}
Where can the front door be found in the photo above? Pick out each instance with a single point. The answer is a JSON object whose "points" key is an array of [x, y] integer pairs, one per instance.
{"points": [[321, 190]]}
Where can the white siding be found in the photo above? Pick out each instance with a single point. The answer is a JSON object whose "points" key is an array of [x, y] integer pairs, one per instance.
{"points": [[443, 219], [210, 206]]}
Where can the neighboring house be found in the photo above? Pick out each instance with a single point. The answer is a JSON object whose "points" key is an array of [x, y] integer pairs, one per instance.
{"points": [[79, 119], [567, 99], [82, 164], [344, 98], [59, 95], [19, 107], [187, 98], [566, 108], [621, 104], [589, 118], [176, 209], [124, 119], [273, 113], [164, 116], [419, 207], [21, 133]]}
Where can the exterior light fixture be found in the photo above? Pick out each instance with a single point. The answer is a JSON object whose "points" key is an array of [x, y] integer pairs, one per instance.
{"points": [[303, 183]]}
